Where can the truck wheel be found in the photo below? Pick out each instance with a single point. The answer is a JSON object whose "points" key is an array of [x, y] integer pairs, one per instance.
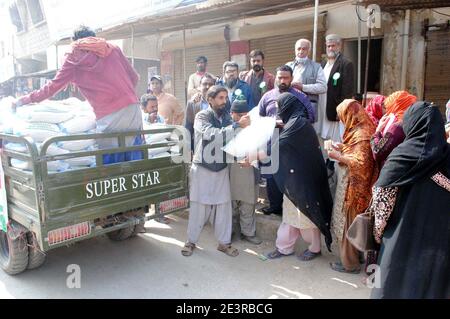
{"points": [[121, 234], [13, 253], [36, 257], [139, 228]]}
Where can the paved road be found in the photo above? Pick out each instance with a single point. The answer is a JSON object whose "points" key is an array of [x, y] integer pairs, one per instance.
{"points": [[151, 266]]}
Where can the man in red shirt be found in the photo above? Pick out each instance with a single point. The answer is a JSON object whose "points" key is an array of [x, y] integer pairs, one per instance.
{"points": [[105, 78]]}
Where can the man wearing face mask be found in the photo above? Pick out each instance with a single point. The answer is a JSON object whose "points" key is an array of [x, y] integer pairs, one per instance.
{"points": [[209, 195], [308, 75], [235, 86], [258, 78]]}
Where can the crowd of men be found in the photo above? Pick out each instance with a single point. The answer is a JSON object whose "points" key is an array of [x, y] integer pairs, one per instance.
{"points": [[396, 145], [227, 194]]}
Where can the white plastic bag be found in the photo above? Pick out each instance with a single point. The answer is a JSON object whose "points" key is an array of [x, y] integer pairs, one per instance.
{"points": [[252, 138]]}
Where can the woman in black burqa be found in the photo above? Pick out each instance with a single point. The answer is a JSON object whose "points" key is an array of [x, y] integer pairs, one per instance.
{"points": [[412, 213], [301, 176]]}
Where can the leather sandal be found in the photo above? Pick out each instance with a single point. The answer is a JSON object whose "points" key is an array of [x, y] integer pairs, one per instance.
{"points": [[309, 255], [337, 266], [188, 249], [277, 254], [228, 250]]}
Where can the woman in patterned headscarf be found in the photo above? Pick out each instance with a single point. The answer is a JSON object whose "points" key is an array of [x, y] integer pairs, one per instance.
{"points": [[411, 201], [356, 175], [389, 132], [376, 109]]}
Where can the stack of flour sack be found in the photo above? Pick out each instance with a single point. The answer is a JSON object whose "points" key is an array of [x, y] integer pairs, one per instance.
{"points": [[49, 119]]}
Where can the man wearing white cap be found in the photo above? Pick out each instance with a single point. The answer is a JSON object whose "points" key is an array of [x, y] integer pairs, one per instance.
{"points": [[340, 81], [340, 86]]}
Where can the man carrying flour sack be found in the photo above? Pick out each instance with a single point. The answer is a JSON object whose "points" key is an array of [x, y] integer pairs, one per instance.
{"points": [[107, 80]]}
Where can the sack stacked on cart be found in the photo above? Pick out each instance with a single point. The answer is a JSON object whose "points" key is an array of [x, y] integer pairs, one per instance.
{"points": [[57, 118], [156, 138], [7, 117]]}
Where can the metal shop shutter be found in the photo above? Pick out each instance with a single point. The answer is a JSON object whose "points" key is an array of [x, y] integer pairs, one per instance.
{"points": [[280, 49], [178, 79], [437, 72], [216, 53]]}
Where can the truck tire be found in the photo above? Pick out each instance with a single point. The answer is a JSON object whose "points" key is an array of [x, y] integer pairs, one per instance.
{"points": [[121, 234], [36, 257], [13, 253], [139, 228]]}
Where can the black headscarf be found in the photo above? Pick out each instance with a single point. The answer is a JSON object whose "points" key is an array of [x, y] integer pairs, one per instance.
{"points": [[302, 175], [423, 151], [292, 112]]}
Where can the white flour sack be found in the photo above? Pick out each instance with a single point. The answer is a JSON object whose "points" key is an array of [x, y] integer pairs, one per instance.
{"points": [[7, 117], [54, 166], [156, 151], [156, 137], [81, 161], [252, 138], [44, 112], [77, 145], [53, 150], [80, 123], [38, 131], [16, 147]]}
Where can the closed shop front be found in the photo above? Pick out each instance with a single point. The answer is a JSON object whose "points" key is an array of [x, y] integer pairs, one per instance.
{"points": [[437, 73], [280, 49], [216, 53]]}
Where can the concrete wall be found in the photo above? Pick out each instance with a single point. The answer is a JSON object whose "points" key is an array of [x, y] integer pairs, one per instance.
{"points": [[393, 28], [144, 47]]}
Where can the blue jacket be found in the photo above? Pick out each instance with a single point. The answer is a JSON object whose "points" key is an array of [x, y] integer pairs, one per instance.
{"points": [[246, 91]]}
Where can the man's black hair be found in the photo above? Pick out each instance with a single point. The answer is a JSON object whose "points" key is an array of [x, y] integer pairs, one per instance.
{"points": [[255, 53], [231, 64], [147, 97], [209, 76], [285, 68], [215, 90], [82, 32], [201, 58]]}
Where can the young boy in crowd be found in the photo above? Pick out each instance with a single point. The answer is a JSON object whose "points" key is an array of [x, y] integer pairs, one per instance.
{"points": [[244, 188]]}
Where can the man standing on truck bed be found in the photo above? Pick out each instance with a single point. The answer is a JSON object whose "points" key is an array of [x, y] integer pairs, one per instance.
{"points": [[107, 80]]}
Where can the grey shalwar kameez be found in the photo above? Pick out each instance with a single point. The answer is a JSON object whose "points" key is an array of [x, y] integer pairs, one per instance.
{"points": [[244, 195], [210, 197]]}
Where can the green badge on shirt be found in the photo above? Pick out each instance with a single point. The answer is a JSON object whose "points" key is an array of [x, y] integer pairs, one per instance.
{"points": [[263, 87], [336, 77]]}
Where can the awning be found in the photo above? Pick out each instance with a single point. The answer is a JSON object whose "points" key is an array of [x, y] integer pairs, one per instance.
{"points": [[41, 74], [390, 5], [200, 14]]}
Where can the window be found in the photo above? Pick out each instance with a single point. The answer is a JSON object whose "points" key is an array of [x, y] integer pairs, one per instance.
{"points": [[35, 10], [15, 17]]}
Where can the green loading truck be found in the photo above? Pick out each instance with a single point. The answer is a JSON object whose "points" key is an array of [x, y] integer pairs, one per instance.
{"points": [[50, 210]]}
